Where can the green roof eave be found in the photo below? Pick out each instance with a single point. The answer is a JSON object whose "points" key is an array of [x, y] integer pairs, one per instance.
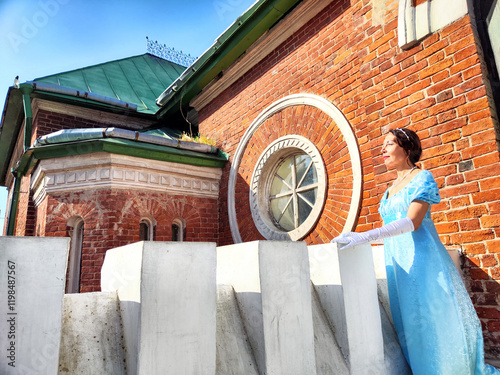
{"points": [[88, 103], [226, 50], [121, 147], [12, 120]]}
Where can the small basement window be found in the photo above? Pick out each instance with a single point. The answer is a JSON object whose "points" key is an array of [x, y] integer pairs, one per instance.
{"points": [[75, 254], [146, 229], [179, 230]]}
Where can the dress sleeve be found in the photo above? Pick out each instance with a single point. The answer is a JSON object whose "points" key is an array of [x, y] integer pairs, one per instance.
{"points": [[425, 189]]}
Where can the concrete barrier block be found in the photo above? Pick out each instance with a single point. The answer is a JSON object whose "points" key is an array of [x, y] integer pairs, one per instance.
{"points": [[325, 276], [329, 357], [121, 273], [169, 298], [234, 354], [362, 326], [91, 340], [287, 308], [33, 274], [238, 266], [272, 285]]}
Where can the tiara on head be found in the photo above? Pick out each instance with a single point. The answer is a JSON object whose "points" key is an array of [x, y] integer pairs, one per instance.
{"points": [[402, 131]]}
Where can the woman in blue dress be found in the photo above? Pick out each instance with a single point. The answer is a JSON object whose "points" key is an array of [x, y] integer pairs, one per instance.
{"points": [[437, 326]]}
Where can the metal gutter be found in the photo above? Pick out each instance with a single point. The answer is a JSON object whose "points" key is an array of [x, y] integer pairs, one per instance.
{"points": [[72, 135], [11, 122], [228, 47], [26, 91], [56, 89]]}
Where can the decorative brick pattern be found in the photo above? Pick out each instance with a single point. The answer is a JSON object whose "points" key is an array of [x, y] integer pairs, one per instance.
{"points": [[112, 219]]}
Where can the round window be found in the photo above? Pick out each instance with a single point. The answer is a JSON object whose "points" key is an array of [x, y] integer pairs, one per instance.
{"points": [[288, 188]]}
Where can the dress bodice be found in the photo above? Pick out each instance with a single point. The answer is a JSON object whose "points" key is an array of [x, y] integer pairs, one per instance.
{"points": [[421, 187]]}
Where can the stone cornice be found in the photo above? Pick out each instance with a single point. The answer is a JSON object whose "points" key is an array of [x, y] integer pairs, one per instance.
{"points": [[260, 49], [109, 171]]}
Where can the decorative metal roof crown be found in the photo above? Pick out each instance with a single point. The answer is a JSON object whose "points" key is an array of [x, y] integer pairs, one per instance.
{"points": [[167, 53]]}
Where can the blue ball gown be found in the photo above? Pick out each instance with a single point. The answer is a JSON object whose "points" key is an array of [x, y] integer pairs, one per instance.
{"points": [[437, 326]]}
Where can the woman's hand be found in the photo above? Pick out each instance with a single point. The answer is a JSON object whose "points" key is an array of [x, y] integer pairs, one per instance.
{"points": [[397, 227], [350, 239]]}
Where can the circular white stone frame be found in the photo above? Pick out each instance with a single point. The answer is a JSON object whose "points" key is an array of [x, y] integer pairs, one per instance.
{"points": [[260, 184], [344, 127]]}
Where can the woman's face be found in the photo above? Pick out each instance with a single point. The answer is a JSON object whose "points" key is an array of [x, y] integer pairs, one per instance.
{"points": [[394, 155]]}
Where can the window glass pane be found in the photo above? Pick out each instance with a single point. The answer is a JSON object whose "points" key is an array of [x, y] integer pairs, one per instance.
{"points": [[287, 220], [175, 232], [277, 207], [311, 177], [285, 170], [304, 207], [301, 163], [278, 186], [282, 208], [143, 231], [494, 33]]}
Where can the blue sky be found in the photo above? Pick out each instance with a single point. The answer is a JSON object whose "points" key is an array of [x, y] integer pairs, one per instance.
{"points": [[44, 37]]}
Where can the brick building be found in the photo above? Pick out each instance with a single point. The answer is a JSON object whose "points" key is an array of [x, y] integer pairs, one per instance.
{"points": [[300, 95]]}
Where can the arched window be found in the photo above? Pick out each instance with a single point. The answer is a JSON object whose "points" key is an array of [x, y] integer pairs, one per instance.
{"points": [[147, 229], [178, 230], [75, 254]]}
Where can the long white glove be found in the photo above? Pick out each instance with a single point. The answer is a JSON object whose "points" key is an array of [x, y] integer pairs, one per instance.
{"points": [[350, 239]]}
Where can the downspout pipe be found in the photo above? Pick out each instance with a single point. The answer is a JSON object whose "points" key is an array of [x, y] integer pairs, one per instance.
{"points": [[11, 223], [26, 89]]}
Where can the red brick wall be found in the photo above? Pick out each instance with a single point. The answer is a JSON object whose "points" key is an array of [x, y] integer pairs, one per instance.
{"points": [[48, 122], [25, 211], [44, 123], [112, 218], [314, 125], [436, 88]]}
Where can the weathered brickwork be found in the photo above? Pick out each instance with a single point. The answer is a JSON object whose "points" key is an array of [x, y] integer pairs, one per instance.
{"points": [[44, 123], [48, 122], [111, 219], [435, 88], [25, 211]]}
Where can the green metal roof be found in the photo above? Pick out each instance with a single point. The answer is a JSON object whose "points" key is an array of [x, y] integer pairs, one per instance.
{"points": [[137, 79]]}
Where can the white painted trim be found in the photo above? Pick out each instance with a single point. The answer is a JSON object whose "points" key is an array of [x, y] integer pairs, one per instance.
{"points": [[415, 23], [445, 12], [343, 125], [111, 171]]}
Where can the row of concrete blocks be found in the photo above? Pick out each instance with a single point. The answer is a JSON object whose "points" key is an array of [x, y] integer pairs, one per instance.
{"points": [[262, 307]]}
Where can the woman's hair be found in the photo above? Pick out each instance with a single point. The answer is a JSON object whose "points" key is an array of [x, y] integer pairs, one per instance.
{"points": [[410, 142]]}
